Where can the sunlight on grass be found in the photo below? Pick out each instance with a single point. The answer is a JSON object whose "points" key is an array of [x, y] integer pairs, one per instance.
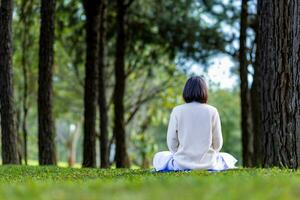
{"points": [[20, 182], [59, 164], [77, 165]]}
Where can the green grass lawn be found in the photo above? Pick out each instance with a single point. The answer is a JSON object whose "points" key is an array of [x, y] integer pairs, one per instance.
{"points": [[67, 183]]}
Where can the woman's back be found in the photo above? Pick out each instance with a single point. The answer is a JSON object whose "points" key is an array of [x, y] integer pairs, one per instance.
{"points": [[196, 125]]}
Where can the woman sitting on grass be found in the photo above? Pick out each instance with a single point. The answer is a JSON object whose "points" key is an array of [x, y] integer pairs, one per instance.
{"points": [[194, 135]]}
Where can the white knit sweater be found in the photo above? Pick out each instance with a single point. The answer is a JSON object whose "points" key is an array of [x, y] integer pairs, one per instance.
{"points": [[194, 135]]}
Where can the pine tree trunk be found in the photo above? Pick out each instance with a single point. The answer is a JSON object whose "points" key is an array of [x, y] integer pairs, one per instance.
{"points": [[92, 12], [247, 141], [19, 140], [8, 126], [279, 60], [102, 92], [122, 159], [256, 110], [46, 135], [25, 12]]}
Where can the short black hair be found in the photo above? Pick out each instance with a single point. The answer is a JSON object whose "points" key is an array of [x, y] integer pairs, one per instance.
{"points": [[195, 89]]}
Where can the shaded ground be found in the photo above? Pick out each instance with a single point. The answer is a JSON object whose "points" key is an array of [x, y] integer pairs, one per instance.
{"points": [[65, 183]]}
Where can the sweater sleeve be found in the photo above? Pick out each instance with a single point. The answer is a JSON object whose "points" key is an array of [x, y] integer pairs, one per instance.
{"points": [[172, 135], [217, 139]]}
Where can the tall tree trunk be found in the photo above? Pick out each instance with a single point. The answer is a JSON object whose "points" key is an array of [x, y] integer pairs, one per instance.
{"points": [[256, 109], [26, 11], [25, 113], [102, 92], [92, 12], [279, 60], [71, 145], [8, 129], [19, 139], [47, 153], [244, 90], [144, 142], [122, 159]]}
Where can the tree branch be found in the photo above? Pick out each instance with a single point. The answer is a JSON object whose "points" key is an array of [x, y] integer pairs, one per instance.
{"points": [[142, 101]]}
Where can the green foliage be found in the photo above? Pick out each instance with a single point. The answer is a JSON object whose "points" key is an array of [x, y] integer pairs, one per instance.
{"points": [[163, 37], [66, 183]]}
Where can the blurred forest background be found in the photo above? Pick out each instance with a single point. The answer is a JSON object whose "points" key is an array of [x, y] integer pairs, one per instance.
{"points": [[163, 43], [94, 82]]}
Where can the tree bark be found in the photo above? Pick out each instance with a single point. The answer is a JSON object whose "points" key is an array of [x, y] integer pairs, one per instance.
{"points": [[8, 128], [244, 90], [144, 127], [25, 13], [19, 139], [279, 60], [102, 91], [256, 109], [46, 143], [92, 12], [122, 159]]}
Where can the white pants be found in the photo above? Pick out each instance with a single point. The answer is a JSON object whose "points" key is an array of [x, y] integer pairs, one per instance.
{"points": [[163, 161]]}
